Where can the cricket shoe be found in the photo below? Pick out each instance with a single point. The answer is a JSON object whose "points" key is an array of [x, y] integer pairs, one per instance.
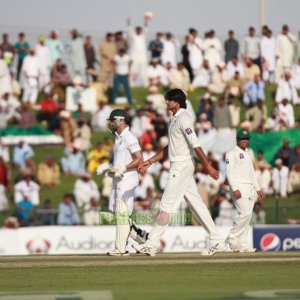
{"points": [[234, 247], [143, 249], [248, 250], [116, 252], [217, 248]]}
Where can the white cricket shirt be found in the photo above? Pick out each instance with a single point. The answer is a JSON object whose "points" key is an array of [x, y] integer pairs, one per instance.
{"points": [[125, 144], [239, 168], [182, 137]]}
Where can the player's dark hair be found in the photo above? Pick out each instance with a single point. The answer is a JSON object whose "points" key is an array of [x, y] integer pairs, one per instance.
{"points": [[176, 95]]}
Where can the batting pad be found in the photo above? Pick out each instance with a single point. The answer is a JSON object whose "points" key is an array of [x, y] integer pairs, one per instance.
{"points": [[137, 233], [123, 225]]}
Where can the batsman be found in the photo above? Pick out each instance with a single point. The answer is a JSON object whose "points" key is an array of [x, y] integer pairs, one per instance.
{"points": [[127, 157]]}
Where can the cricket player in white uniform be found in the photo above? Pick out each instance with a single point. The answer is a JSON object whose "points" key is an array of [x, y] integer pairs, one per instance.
{"points": [[127, 157], [244, 189], [181, 183]]}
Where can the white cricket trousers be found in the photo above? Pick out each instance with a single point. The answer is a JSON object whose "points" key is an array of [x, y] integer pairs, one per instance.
{"points": [[31, 90], [123, 189], [244, 205], [181, 184], [139, 67]]}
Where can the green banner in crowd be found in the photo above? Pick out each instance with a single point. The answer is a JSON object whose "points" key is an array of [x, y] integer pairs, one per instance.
{"points": [[269, 142], [16, 131]]}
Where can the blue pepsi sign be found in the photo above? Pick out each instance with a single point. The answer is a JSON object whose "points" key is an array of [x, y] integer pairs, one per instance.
{"points": [[276, 237]]}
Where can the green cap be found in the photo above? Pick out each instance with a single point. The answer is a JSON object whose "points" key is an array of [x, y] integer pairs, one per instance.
{"points": [[118, 113], [243, 134]]}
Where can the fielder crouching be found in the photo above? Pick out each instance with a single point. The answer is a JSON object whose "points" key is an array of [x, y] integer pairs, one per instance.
{"points": [[127, 157], [244, 189]]}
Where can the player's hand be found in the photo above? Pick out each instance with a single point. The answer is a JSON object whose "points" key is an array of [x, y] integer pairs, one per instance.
{"points": [[261, 195], [212, 172], [144, 166], [103, 168], [116, 173], [237, 194]]}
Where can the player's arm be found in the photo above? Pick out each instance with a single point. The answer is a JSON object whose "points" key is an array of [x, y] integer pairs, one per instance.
{"points": [[259, 191], [190, 135], [137, 159], [211, 171], [161, 155], [230, 171]]}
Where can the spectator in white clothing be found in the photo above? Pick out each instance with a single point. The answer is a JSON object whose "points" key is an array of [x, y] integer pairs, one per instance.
{"points": [[31, 71], [234, 66], [267, 46], [258, 215], [284, 51], [4, 152], [286, 113], [220, 77], [225, 209], [195, 47], [21, 152], [212, 49], [280, 176], [296, 74], [263, 176], [10, 105], [203, 78], [294, 178], [272, 122], [157, 74], [251, 47], [179, 78], [5, 78], [287, 89], [170, 45], [43, 55], [99, 118], [91, 213], [156, 98], [85, 189], [138, 51], [28, 188]]}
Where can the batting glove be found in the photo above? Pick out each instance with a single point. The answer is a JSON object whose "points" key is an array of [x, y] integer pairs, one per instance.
{"points": [[103, 168], [116, 173]]}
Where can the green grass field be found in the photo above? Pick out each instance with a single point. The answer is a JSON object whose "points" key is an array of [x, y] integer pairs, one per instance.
{"points": [[166, 276]]}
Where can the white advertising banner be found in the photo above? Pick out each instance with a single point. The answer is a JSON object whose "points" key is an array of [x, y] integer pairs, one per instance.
{"points": [[94, 239], [9, 241]]}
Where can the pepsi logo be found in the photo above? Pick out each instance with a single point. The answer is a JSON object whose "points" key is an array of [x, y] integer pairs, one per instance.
{"points": [[270, 242]]}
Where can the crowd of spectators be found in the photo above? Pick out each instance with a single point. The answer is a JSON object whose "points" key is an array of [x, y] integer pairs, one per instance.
{"points": [[35, 81]]}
